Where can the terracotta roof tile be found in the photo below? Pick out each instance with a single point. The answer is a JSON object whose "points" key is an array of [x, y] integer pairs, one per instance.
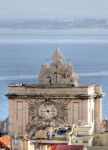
{"points": [[66, 147], [5, 142]]}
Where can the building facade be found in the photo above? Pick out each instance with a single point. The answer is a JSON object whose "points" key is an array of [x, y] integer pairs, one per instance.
{"points": [[57, 99]]}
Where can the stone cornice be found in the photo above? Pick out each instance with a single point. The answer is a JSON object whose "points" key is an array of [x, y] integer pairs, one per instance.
{"points": [[55, 96]]}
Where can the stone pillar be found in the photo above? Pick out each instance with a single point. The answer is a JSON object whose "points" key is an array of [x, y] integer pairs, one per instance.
{"points": [[12, 117], [98, 109], [31, 146]]}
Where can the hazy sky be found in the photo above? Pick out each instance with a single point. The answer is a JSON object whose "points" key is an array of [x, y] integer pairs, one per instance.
{"points": [[32, 8]]}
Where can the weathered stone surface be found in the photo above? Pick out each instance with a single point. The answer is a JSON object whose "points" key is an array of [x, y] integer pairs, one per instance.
{"points": [[57, 88]]}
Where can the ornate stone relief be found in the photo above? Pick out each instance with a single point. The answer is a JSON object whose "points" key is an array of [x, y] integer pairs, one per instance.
{"points": [[58, 71], [53, 111]]}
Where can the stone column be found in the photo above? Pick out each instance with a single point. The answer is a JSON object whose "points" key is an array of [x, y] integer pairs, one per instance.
{"points": [[98, 109]]}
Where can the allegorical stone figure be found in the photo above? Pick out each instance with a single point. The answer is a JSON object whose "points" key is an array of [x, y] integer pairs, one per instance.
{"points": [[58, 71]]}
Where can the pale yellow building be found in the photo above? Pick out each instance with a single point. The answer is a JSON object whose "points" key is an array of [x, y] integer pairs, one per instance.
{"points": [[57, 99]]}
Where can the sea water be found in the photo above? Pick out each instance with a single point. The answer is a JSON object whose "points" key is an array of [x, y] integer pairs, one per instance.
{"points": [[22, 53]]}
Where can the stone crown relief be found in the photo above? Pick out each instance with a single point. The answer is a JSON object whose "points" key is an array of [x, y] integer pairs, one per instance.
{"points": [[58, 72]]}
